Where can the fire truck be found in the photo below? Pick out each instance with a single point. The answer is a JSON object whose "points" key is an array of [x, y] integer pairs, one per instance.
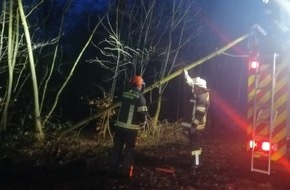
{"points": [[268, 105], [268, 112]]}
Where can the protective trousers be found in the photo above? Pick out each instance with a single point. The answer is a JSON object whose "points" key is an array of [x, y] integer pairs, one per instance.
{"points": [[199, 121], [123, 137]]}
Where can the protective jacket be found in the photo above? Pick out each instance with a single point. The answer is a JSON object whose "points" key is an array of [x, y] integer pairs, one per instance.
{"points": [[201, 96], [132, 115], [133, 110]]}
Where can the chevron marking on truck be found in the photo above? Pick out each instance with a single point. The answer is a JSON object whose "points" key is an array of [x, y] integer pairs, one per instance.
{"points": [[263, 96], [280, 104]]}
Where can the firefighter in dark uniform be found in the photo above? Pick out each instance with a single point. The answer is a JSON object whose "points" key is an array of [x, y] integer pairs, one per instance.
{"points": [[132, 116], [198, 120]]}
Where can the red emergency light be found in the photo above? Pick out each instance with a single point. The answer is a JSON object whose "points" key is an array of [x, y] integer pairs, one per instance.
{"points": [[264, 145], [254, 64], [253, 61]]}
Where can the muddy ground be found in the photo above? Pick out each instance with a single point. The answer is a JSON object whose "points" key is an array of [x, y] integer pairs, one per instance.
{"points": [[81, 162]]}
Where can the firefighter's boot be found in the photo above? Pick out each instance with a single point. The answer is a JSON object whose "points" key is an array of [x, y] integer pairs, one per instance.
{"points": [[196, 158]]}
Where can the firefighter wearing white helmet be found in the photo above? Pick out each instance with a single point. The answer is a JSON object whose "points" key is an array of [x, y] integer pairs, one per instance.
{"points": [[199, 111]]}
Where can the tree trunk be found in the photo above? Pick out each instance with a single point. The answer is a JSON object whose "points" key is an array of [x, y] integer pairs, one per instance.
{"points": [[157, 111], [37, 122], [7, 98], [196, 63]]}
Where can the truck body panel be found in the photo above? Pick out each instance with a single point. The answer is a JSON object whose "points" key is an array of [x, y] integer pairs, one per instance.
{"points": [[268, 113]]}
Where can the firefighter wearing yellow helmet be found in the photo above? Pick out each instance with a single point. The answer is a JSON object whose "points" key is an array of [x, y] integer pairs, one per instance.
{"points": [[131, 116]]}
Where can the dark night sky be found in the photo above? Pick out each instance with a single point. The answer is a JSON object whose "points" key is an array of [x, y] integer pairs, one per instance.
{"points": [[229, 19]]}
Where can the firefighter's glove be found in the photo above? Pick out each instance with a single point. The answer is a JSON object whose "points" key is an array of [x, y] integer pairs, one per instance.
{"points": [[185, 73], [187, 78]]}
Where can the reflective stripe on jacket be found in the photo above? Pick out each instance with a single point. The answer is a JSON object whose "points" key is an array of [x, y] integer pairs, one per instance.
{"points": [[133, 110]]}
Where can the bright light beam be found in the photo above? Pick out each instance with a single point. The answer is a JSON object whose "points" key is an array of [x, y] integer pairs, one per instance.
{"points": [[283, 4], [231, 114], [265, 1]]}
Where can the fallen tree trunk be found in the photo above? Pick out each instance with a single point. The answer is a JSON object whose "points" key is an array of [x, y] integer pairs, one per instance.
{"points": [[196, 63], [162, 81]]}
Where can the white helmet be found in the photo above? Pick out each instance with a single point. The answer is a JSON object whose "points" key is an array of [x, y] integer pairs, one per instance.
{"points": [[199, 82]]}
